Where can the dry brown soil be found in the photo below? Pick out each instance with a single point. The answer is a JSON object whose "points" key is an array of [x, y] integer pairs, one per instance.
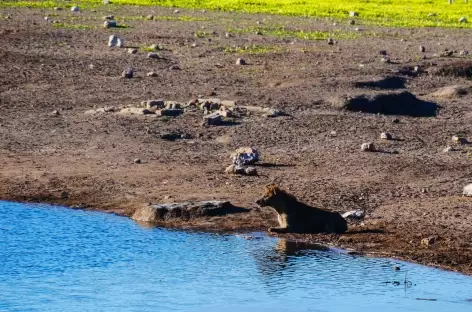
{"points": [[86, 161]]}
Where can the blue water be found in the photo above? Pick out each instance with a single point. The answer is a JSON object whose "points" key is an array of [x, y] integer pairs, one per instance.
{"points": [[57, 259]]}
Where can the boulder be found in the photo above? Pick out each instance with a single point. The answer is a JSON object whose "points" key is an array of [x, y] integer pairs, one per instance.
{"points": [[467, 190], [184, 211]]}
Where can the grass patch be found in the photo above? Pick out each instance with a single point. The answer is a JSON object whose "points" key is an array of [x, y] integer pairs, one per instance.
{"points": [[252, 49], [72, 26], [183, 18], [399, 13], [283, 32]]}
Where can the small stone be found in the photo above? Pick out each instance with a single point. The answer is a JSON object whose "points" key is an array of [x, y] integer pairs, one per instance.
{"points": [[396, 120], [174, 67], [385, 60], [228, 35], [155, 47], [383, 52], [109, 24], [333, 133], [259, 23], [150, 17], [428, 241], [422, 49], [132, 50], [109, 17], [75, 8], [57, 9], [446, 53], [354, 215], [462, 20], [448, 149], [153, 55], [251, 171], [120, 43], [416, 69], [335, 24], [55, 113], [112, 40], [137, 161], [459, 140], [127, 73], [240, 61], [330, 41], [151, 74], [47, 19], [176, 11], [463, 52], [385, 136], [368, 147], [194, 45], [353, 14], [467, 190], [352, 22]]}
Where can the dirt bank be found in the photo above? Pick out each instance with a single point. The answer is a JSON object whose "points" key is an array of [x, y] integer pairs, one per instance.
{"points": [[410, 188]]}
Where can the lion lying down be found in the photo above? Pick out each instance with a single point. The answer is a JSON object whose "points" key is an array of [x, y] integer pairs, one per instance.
{"points": [[296, 217]]}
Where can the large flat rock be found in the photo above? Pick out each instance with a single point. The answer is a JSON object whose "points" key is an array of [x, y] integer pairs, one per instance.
{"points": [[158, 213]]}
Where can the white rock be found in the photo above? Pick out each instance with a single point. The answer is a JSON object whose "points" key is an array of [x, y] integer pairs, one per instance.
{"points": [[112, 40], [120, 43], [75, 8], [459, 140], [241, 61], [385, 136], [462, 20], [467, 190], [353, 14], [354, 214], [152, 55], [368, 147], [251, 171]]}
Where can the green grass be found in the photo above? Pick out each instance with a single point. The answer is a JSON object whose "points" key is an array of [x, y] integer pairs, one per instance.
{"points": [[283, 32], [71, 26], [402, 13], [252, 49], [183, 18]]}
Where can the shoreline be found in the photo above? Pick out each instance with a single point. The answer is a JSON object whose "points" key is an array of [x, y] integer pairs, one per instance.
{"points": [[327, 240]]}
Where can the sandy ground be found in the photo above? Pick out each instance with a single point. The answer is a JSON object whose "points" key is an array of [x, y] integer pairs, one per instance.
{"points": [[410, 189]]}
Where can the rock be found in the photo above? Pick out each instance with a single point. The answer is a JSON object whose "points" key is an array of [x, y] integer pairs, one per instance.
{"points": [[467, 190], [352, 22], [112, 40], [153, 104], [137, 161], [184, 211], [383, 52], [463, 52], [251, 171], [385, 136], [272, 112], [75, 8], [212, 119], [47, 19], [448, 149], [57, 9], [132, 50], [176, 11], [385, 59], [55, 113], [155, 47], [451, 92], [368, 147], [245, 156], [225, 112], [428, 241], [240, 61], [106, 2], [109, 24], [120, 43], [150, 17], [153, 55], [330, 41], [354, 215], [459, 140], [462, 20], [422, 49], [446, 53], [228, 35], [127, 73], [169, 112], [151, 74], [136, 111], [353, 14], [109, 17]]}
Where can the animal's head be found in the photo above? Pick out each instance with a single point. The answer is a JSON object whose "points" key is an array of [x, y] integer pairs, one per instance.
{"points": [[271, 194]]}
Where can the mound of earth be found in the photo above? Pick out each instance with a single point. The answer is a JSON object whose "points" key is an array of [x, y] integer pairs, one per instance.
{"points": [[403, 103]]}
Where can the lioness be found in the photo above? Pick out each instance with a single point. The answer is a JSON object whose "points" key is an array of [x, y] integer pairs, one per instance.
{"points": [[296, 217]]}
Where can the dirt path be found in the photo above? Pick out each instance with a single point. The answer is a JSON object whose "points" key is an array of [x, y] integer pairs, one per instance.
{"points": [[411, 189]]}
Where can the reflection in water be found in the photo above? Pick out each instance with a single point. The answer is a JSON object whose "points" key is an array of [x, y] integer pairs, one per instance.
{"points": [[55, 259]]}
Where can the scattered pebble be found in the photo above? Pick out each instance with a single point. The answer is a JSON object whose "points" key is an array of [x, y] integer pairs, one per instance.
{"points": [[228, 35], [150, 17], [459, 140], [462, 20], [428, 241], [385, 136], [352, 22], [132, 50], [383, 52], [176, 11], [155, 47], [151, 74], [251, 171], [55, 113], [467, 190], [109, 24], [75, 8], [47, 18], [120, 43], [241, 61], [368, 147], [112, 40], [57, 9], [353, 14], [330, 41], [127, 73], [463, 52], [137, 161], [422, 49], [385, 60], [448, 149], [109, 17], [153, 55]]}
